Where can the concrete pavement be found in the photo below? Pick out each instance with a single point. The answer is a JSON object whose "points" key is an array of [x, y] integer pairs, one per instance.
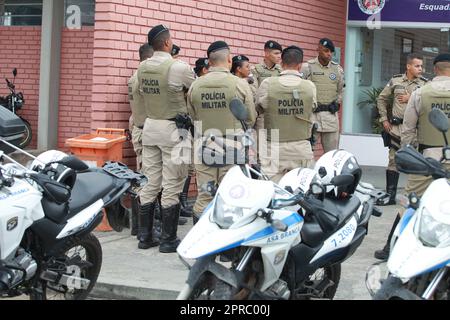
{"points": [[130, 273]]}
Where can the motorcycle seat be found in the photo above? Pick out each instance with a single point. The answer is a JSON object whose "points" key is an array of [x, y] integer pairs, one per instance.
{"points": [[312, 233], [89, 187]]}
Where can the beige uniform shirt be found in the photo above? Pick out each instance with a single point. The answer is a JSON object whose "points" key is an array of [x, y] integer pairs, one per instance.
{"points": [[259, 78], [288, 78], [409, 131], [327, 122], [397, 86], [243, 92], [180, 78]]}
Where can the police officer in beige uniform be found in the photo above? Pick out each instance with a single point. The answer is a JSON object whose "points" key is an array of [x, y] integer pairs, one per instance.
{"points": [[138, 114], [417, 128], [241, 69], [201, 67], [328, 76], [396, 95], [287, 103], [163, 82], [208, 102], [137, 120]]}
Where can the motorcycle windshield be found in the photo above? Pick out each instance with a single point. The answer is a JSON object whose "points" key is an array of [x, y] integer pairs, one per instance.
{"points": [[239, 198]]}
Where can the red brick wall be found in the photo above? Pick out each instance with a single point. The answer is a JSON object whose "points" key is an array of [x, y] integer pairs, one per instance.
{"points": [[122, 26], [75, 84], [20, 48]]}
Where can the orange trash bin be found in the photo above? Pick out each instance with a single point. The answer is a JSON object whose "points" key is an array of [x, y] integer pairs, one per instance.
{"points": [[97, 148]]}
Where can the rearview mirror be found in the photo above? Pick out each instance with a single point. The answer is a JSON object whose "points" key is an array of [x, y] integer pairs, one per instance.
{"points": [[74, 163], [15, 72], [342, 180], [238, 109], [439, 120]]}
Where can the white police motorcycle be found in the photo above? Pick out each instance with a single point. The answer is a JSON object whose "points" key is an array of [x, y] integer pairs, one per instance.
{"points": [[281, 241], [419, 261], [47, 215]]}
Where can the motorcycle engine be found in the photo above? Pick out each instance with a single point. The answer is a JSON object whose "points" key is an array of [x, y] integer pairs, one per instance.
{"points": [[12, 273]]}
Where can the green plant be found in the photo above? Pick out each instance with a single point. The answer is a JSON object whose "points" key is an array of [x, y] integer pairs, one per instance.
{"points": [[371, 96]]}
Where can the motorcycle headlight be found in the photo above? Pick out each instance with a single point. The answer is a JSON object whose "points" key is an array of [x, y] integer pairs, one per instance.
{"points": [[433, 233], [226, 215]]}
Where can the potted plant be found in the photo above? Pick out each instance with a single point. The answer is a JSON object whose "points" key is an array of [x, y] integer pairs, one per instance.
{"points": [[371, 96]]}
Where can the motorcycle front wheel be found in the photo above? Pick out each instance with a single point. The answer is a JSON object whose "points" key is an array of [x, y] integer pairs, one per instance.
{"points": [[28, 135], [81, 257]]}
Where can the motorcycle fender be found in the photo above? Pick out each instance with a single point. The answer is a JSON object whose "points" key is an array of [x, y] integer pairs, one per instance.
{"points": [[207, 264]]}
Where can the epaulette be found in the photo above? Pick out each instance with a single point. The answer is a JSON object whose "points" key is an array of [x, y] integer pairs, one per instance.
{"points": [[311, 61], [333, 62], [424, 79], [398, 75]]}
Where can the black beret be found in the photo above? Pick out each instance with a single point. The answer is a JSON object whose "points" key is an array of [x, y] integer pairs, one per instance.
{"points": [[175, 50], [155, 32], [291, 48], [327, 43], [240, 58], [200, 64], [443, 57], [216, 46], [273, 45]]}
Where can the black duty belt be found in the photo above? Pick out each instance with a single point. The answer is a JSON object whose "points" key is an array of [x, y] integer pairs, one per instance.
{"points": [[332, 107], [140, 127], [396, 121]]}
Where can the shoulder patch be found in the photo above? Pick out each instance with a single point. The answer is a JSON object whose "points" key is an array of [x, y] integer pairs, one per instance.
{"points": [[333, 62], [424, 79], [398, 75]]}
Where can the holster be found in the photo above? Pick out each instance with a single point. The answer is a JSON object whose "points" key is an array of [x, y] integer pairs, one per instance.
{"points": [[386, 139], [184, 122]]}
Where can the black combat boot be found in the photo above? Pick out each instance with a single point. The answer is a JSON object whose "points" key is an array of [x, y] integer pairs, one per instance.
{"points": [[185, 210], [383, 254], [134, 225], [391, 188], [169, 240], [146, 216], [181, 221]]}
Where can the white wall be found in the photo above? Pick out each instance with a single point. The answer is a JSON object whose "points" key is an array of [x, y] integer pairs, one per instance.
{"points": [[368, 149]]}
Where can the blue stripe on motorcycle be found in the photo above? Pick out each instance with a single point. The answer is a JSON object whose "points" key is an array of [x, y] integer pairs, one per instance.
{"points": [[289, 221], [439, 266], [406, 218]]}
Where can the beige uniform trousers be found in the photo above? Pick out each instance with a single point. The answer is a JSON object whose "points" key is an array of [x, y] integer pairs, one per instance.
{"points": [[136, 139], [329, 140], [286, 156], [163, 162], [206, 175], [392, 166]]}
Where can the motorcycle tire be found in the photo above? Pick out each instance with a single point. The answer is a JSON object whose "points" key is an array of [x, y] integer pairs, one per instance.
{"points": [[331, 273], [88, 265], [27, 136]]}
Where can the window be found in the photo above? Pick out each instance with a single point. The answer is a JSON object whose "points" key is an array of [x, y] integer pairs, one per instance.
{"points": [[21, 12], [79, 8]]}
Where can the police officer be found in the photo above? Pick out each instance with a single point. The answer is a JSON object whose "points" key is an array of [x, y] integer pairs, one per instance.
{"points": [[208, 101], [175, 51], [270, 67], [328, 76], [241, 69], [287, 103], [163, 82], [201, 67], [396, 94], [137, 119], [417, 127]]}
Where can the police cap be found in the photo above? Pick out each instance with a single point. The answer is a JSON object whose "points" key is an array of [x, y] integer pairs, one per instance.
{"points": [[200, 64], [175, 50], [273, 45], [216, 46], [443, 57], [155, 32], [327, 43], [240, 58]]}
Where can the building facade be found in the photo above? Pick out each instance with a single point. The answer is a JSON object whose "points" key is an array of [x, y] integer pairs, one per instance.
{"points": [[74, 56]]}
